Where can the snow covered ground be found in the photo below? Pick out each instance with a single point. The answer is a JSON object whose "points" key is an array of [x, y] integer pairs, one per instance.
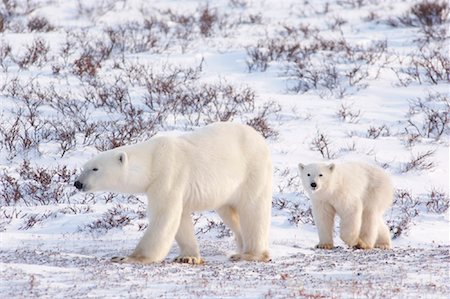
{"points": [[337, 80]]}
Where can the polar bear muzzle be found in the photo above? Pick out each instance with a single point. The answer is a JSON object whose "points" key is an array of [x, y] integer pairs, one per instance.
{"points": [[78, 185]]}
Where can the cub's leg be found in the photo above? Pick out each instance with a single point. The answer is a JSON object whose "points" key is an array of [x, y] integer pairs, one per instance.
{"points": [[384, 236], [350, 225], [369, 230], [324, 214]]}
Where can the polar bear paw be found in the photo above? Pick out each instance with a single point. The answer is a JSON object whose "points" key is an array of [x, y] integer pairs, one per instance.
{"points": [[324, 246], [383, 246], [128, 260], [193, 260], [264, 257], [362, 245]]}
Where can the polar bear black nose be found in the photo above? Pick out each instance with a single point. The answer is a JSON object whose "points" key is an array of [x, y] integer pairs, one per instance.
{"points": [[314, 185], [78, 185]]}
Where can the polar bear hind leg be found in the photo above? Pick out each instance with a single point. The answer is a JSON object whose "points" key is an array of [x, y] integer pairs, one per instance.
{"points": [[254, 215], [230, 218]]}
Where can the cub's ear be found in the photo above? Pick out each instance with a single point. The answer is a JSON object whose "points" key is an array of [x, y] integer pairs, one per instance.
{"points": [[122, 157], [301, 166], [331, 166]]}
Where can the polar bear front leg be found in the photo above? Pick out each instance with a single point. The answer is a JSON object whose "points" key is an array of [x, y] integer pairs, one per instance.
{"points": [[324, 214], [165, 216], [351, 225], [189, 252]]}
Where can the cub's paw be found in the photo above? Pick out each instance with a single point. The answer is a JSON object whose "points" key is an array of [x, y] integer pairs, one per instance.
{"points": [[193, 260], [324, 246], [383, 246]]}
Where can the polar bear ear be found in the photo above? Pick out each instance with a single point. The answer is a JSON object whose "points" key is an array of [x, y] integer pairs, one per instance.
{"points": [[301, 166], [331, 166], [123, 158]]}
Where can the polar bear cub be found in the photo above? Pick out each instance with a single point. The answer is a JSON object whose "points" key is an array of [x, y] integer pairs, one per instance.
{"points": [[224, 167], [358, 193]]}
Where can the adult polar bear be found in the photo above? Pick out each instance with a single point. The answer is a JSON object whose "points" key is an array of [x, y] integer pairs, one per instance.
{"points": [[224, 167], [359, 193]]}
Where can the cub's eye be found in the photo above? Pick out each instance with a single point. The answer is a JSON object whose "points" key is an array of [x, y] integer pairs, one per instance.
{"points": [[320, 174], [95, 169], [308, 174]]}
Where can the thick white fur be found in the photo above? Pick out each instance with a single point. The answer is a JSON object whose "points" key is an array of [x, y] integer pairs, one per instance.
{"points": [[224, 167], [358, 193]]}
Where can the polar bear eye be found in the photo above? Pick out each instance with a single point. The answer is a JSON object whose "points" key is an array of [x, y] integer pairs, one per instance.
{"points": [[308, 174], [320, 174], [94, 169]]}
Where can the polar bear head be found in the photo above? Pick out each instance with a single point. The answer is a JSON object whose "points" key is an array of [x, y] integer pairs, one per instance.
{"points": [[105, 172], [316, 176]]}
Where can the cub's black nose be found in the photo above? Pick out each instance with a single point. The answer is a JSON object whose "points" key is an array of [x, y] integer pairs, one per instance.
{"points": [[314, 185], [78, 185]]}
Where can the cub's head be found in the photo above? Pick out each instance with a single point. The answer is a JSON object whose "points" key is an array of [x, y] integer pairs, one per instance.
{"points": [[316, 176], [105, 172]]}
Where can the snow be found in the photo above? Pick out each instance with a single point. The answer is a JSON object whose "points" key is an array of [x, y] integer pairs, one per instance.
{"points": [[61, 247]]}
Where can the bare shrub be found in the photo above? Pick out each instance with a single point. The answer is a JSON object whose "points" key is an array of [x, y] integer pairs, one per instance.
{"points": [[429, 117], [238, 3], [132, 128], [18, 136], [346, 114], [65, 136], [375, 132], [36, 54], [429, 16], [207, 19], [178, 94], [298, 213], [407, 208], [118, 216], [257, 59], [354, 3], [76, 209], [438, 201], [261, 123], [36, 185], [2, 23], [114, 96], [219, 227], [115, 217], [335, 23], [345, 72], [290, 200], [429, 64], [10, 193], [419, 162], [136, 38], [32, 219], [185, 27], [322, 143], [39, 24], [5, 52], [85, 65], [8, 215], [430, 13]]}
